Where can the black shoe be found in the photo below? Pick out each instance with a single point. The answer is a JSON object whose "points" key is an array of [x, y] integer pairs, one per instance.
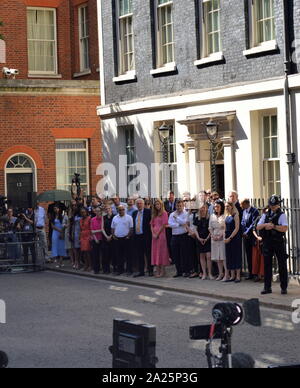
{"points": [[129, 274], [186, 275], [137, 275], [284, 292], [250, 277], [177, 276], [266, 292], [237, 281]]}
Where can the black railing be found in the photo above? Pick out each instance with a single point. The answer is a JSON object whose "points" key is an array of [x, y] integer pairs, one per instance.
{"points": [[292, 211], [21, 252]]}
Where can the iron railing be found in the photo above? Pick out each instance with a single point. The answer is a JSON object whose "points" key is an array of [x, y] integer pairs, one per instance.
{"points": [[292, 211], [21, 252]]}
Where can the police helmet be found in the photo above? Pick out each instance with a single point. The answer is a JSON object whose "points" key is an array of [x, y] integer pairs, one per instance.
{"points": [[274, 200]]}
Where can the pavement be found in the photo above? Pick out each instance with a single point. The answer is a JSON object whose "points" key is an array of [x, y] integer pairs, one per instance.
{"points": [[204, 288]]}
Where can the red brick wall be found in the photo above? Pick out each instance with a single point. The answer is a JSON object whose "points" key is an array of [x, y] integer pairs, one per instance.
{"points": [[13, 15], [28, 120]]}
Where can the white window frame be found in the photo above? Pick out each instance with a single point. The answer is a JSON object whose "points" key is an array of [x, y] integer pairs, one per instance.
{"points": [[162, 67], [86, 141], [205, 56], [270, 159], [40, 72], [257, 47], [123, 73], [85, 38], [205, 42]]}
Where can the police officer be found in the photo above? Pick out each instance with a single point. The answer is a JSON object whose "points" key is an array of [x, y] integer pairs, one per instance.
{"points": [[274, 225]]}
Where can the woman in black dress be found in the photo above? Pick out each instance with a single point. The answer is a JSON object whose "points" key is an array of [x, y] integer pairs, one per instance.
{"points": [[108, 244], [201, 221], [233, 242]]}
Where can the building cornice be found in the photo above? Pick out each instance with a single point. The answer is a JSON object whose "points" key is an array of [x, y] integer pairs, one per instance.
{"points": [[46, 87], [182, 100]]}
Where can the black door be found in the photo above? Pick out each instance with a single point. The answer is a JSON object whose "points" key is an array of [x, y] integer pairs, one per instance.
{"points": [[18, 187], [220, 181]]}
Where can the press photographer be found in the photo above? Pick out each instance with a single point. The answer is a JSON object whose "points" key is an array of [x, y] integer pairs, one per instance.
{"points": [[26, 227]]}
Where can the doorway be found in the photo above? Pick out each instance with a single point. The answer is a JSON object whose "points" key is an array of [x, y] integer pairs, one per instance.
{"points": [[19, 181], [18, 188], [220, 180]]}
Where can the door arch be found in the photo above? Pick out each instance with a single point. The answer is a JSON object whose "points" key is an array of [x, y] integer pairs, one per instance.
{"points": [[20, 175]]}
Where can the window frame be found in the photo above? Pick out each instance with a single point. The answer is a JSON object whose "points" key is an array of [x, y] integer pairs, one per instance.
{"points": [[81, 38], [256, 47], [159, 37], [204, 50], [128, 149], [120, 48], [86, 141], [40, 72], [267, 160]]}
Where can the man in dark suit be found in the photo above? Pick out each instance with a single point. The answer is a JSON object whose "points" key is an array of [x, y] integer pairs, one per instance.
{"points": [[250, 214], [142, 238], [170, 203]]}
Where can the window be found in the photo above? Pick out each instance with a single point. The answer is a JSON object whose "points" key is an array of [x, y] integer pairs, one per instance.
{"points": [[19, 161], [42, 45], [130, 151], [126, 43], [171, 180], [165, 33], [83, 38], [271, 162], [264, 21], [262, 26], [71, 157], [211, 42]]}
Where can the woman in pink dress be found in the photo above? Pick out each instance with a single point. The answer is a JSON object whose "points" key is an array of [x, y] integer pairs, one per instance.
{"points": [[160, 252], [85, 239]]}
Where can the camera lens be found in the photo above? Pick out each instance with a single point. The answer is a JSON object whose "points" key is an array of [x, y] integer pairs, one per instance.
{"points": [[228, 314]]}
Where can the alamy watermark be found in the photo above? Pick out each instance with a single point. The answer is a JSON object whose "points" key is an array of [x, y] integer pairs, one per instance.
{"points": [[296, 313], [2, 311]]}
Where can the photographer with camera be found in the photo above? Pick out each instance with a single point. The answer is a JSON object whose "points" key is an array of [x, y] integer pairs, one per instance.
{"points": [[273, 226], [11, 227], [28, 236]]}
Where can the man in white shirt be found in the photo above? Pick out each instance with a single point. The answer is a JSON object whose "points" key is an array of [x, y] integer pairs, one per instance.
{"points": [[122, 230], [178, 221], [40, 223]]}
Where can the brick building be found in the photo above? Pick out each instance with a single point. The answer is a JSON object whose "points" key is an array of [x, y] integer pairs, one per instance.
{"points": [[183, 63], [48, 123]]}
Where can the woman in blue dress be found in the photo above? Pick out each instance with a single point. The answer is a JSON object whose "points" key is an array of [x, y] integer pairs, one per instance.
{"points": [[58, 241], [233, 243], [76, 237]]}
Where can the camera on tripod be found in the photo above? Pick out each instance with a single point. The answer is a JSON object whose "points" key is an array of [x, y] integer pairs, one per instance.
{"points": [[225, 316]]}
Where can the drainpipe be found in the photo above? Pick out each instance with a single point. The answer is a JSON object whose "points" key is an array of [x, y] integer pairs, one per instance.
{"points": [[291, 157]]}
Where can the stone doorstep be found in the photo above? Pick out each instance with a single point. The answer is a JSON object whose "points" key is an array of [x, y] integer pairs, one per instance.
{"points": [[209, 289]]}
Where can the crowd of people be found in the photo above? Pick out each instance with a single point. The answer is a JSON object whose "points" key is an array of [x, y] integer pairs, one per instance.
{"points": [[204, 238]]}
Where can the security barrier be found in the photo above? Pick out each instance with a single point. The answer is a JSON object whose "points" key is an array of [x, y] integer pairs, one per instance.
{"points": [[21, 252]]}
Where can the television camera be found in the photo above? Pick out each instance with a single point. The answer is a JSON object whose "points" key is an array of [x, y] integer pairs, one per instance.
{"points": [[225, 316]]}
